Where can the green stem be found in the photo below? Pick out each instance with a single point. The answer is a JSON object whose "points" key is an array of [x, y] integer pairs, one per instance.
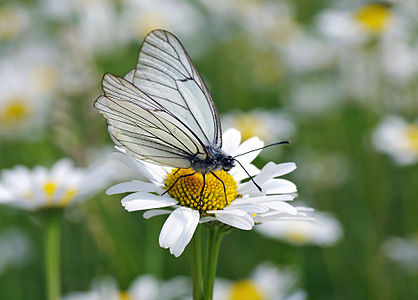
{"points": [[197, 264], [214, 243], [52, 256]]}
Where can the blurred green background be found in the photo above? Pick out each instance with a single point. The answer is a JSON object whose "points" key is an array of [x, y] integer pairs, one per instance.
{"points": [[334, 81]]}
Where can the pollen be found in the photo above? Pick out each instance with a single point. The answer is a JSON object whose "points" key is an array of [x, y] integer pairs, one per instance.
{"points": [[14, 111], [412, 137], [245, 290], [188, 189]]}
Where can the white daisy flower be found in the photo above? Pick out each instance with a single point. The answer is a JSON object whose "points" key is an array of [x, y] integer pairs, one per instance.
{"points": [[403, 251], [322, 230], [27, 83], [266, 282], [271, 126], [14, 20], [14, 248], [145, 287], [356, 25], [398, 138], [244, 205], [56, 187], [143, 16]]}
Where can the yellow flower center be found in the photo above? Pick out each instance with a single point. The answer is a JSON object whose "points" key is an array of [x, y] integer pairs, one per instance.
{"points": [[124, 296], [373, 17], [298, 235], [245, 290], [147, 22], [188, 190], [14, 111], [412, 136], [50, 188], [250, 126]]}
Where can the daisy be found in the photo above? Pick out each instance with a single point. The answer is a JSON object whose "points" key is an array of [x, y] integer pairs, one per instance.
{"points": [[323, 230], [271, 126], [145, 287], [142, 16], [27, 83], [59, 186], [14, 248], [266, 283], [403, 251], [398, 138], [356, 25], [14, 20], [239, 205]]}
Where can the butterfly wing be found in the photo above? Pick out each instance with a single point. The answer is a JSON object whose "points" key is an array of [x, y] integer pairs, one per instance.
{"points": [[144, 127], [166, 73]]}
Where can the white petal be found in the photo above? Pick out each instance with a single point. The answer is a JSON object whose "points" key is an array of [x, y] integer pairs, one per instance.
{"points": [[282, 206], [262, 199], [271, 170], [279, 186], [230, 141], [252, 208], [5, 195], [248, 145], [178, 229], [141, 201], [133, 186], [234, 217], [239, 173], [156, 212]]}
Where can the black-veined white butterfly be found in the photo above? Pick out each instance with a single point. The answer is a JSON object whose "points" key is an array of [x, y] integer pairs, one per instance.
{"points": [[162, 111]]}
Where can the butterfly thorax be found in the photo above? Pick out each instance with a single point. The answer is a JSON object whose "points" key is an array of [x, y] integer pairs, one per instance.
{"points": [[215, 160]]}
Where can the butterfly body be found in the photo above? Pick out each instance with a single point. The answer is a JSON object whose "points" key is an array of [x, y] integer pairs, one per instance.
{"points": [[215, 160]]}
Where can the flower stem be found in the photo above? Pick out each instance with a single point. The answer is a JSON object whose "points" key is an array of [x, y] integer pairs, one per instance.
{"points": [[214, 242], [52, 256], [197, 264]]}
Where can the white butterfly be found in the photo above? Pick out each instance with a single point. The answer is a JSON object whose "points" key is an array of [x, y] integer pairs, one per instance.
{"points": [[162, 111]]}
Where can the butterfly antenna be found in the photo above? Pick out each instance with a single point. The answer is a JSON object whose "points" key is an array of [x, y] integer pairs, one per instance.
{"points": [[252, 179], [261, 148]]}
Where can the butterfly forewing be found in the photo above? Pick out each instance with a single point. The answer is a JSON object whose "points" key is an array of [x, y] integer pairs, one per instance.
{"points": [[166, 73]]}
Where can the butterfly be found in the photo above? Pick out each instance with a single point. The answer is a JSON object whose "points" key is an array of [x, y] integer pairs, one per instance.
{"points": [[162, 111]]}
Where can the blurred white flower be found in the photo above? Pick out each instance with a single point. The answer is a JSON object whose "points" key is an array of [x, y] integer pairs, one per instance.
{"points": [[244, 207], [403, 251], [145, 287], [323, 170], [355, 25], [398, 138], [304, 53], [316, 96], [270, 126], [266, 283], [322, 230], [98, 27], [142, 16], [14, 248], [14, 20], [56, 187], [28, 79]]}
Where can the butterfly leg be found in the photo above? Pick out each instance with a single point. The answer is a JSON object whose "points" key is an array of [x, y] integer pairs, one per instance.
{"points": [[182, 176], [203, 187], [223, 184]]}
